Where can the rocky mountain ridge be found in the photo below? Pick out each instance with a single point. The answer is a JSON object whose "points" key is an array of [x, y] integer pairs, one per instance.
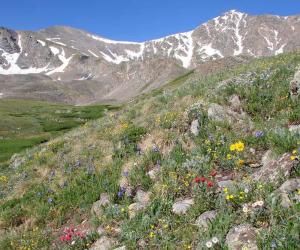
{"points": [[85, 68]]}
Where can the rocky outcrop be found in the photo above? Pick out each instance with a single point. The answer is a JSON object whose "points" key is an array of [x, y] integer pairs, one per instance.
{"points": [[242, 237], [273, 170], [205, 218], [98, 205], [182, 206]]}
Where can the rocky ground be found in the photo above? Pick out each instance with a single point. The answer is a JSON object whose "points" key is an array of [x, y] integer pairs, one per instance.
{"points": [[212, 163]]}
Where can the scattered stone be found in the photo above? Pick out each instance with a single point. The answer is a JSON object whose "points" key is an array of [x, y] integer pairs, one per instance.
{"points": [[242, 237], [219, 113], [153, 173], [141, 243], [295, 85], [205, 218], [100, 230], [225, 184], [235, 102], [182, 206], [273, 170], [134, 208], [267, 157], [16, 161], [195, 127], [294, 128], [97, 205], [143, 197], [282, 193], [120, 248], [104, 243]]}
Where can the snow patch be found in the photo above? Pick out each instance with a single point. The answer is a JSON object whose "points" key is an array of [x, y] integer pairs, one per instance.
{"points": [[41, 42], [280, 50], [136, 55], [101, 39], [65, 62], [207, 51], [54, 50], [95, 55], [13, 68], [184, 52], [114, 58]]}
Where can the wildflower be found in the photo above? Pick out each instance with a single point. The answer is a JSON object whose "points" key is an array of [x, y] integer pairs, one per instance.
{"points": [[50, 200], [245, 209], [202, 179], [225, 190], [227, 197], [241, 162], [240, 146], [209, 244], [210, 184], [293, 157], [294, 152], [245, 248], [259, 134], [213, 173], [246, 190], [215, 240], [197, 179], [229, 157], [298, 191], [258, 204], [151, 235]]}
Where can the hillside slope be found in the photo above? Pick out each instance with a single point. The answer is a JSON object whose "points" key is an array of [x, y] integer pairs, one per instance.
{"points": [[206, 162]]}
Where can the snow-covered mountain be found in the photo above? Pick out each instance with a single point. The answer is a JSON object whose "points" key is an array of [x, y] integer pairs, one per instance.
{"points": [[79, 67]]}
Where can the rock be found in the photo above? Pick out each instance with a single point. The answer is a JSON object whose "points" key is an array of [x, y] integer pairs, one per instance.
{"points": [[295, 85], [182, 206], [242, 236], [195, 127], [294, 129], [282, 193], [267, 157], [100, 230], [104, 243], [142, 197], [16, 161], [141, 243], [153, 173], [235, 102], [225, 184], [97, 205], [273, 170], [120, 248], [134, 208], [205, 218], [219, 113]]}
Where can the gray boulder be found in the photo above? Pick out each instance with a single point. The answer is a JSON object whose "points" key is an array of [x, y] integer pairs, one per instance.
{"points": [[182, 206], [242, 236], [205, 218]]}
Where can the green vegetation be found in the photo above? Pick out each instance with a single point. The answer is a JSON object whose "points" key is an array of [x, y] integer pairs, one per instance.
{"points": [[57, 183], [27, 123]]}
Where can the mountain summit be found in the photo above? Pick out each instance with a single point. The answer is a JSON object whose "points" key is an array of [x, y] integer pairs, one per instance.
{"points": [[71, 65]]}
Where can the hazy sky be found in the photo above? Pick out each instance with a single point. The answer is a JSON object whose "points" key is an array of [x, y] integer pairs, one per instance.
{"points": [[132, 20]]}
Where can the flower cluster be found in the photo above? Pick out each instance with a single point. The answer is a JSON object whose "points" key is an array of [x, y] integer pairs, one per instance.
{"points": [[235, 197], [238, 146], [3, 179], [250, 207], [70, 235], [295, 155], [209, 181], [213, 241]]}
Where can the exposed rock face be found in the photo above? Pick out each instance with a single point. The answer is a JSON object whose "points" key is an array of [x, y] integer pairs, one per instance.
{"points": [[182, 206], [195, 127], [273, 170], [295, 85], [242, 236], [98, 205], [204, 219], [282, 193], [104, 243], [98, 69]]}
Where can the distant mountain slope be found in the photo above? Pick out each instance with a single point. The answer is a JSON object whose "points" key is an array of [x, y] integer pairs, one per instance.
{"points": [[99, 69]]}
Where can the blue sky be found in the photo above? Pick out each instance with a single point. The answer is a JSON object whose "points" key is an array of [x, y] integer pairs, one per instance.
{"points": [[131, 20]]}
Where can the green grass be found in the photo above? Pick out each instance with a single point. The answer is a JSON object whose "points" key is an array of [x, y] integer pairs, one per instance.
{"points": [[26, 123]]}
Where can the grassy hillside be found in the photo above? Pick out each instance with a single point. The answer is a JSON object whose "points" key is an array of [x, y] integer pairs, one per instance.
{"points": [[26, 123], [146, 158]]}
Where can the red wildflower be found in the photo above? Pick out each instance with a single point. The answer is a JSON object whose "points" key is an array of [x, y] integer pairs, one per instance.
{"points": [[210, 184], [62, 238], [197, 179], [203, 179], [68, 237], [213, 173]]}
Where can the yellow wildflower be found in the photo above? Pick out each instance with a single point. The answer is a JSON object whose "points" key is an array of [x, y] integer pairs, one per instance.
{"points": [[293, 157], [151, 235], [240, 162], [229, 157], [225, 190]]}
